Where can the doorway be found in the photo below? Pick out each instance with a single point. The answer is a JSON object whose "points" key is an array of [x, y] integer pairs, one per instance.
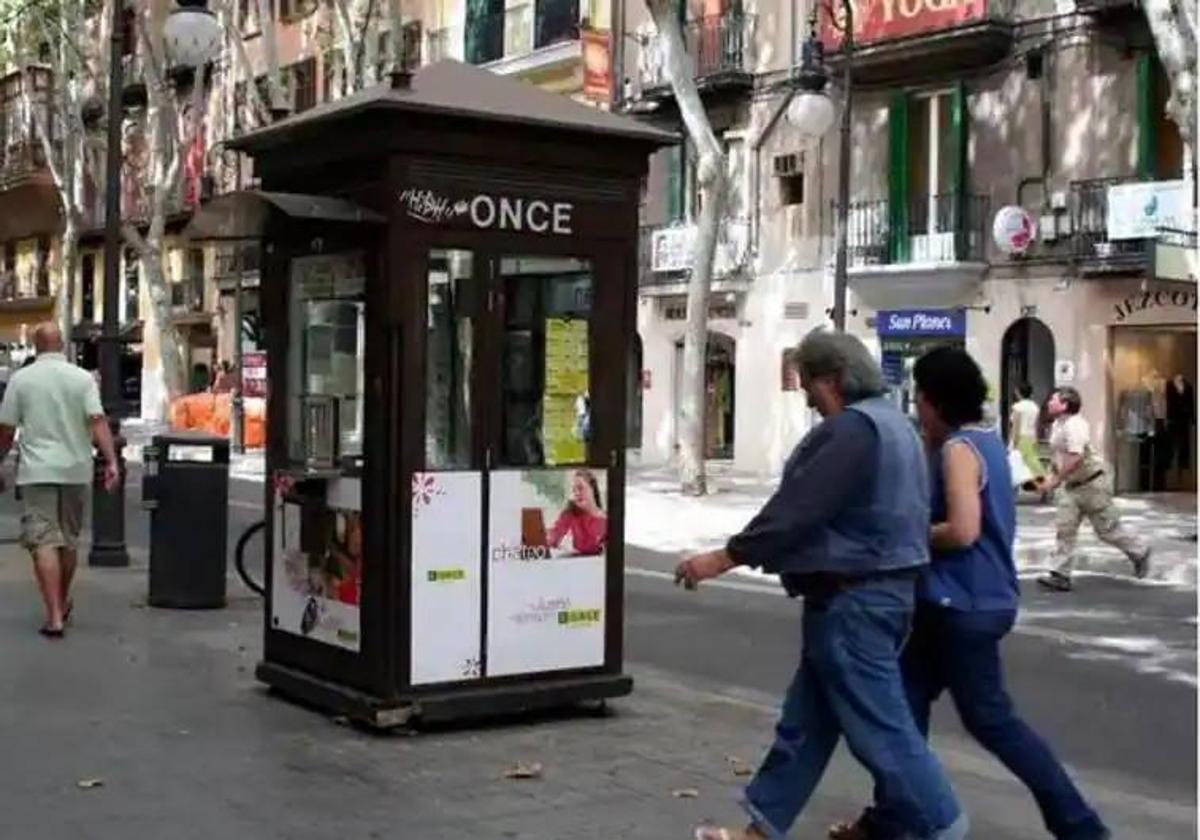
{"points": [[1027, 354], [719, 389]]}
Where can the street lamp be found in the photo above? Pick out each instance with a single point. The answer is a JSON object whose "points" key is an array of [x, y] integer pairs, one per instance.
{"points": [[193, 37], [811, 111]]}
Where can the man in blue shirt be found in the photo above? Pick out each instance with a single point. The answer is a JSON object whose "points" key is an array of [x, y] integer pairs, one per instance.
{"points": [[847, 529]]}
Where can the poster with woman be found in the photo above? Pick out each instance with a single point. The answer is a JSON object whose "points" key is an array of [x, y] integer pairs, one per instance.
{"points": [[547, 547], [317, 575]]}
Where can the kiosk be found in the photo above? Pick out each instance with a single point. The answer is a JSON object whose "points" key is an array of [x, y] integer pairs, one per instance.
{"points": [[449, 272]]}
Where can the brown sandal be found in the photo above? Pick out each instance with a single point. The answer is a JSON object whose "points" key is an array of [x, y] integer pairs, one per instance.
{"points": [[51, 632]]}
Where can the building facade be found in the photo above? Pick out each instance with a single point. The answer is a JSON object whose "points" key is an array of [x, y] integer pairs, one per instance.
{"points": [[961, 110]]}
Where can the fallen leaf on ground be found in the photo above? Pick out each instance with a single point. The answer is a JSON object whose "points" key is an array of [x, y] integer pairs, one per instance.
{"points": [[739, 767], [521, 770], [685, 793], [87, 784]]}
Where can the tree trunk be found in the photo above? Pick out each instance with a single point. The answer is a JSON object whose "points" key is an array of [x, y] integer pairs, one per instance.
{"points": [[713, 193], [1175, 37], [66, 286]]}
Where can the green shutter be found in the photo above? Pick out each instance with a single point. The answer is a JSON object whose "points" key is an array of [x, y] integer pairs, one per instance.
{"points": [[961, 180], [898, 179], [675, 183], [1147, 147]]}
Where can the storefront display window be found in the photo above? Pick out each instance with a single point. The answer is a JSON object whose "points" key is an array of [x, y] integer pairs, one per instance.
{"points": [[1154, 399], [327, 331]]}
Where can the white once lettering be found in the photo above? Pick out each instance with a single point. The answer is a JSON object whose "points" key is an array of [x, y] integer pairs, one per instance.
{"points": [[510, 214], [910, 8], [483, 211], [889, 13], [544, 211], [562, 219]]}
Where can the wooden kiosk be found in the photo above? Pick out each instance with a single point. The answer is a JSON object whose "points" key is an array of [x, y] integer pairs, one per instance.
{"points": [[448, 287]]}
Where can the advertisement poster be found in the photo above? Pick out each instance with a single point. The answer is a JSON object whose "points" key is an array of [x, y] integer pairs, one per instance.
{"points": [[254, 374], [317, 572], [547, 544], [447, 543], [566, 407]]}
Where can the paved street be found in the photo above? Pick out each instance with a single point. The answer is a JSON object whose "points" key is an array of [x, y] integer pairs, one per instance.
{"points": [[163, 707]]}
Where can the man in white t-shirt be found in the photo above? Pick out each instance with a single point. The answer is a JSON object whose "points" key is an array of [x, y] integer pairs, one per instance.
{"points": [[1084, 490]]}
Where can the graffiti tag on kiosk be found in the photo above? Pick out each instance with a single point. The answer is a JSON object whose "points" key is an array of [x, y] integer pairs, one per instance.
{"points": [[1142, 301], [488, 212]]}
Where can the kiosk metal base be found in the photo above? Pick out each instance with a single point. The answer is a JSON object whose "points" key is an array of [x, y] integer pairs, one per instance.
{"points": [[457, 704]]}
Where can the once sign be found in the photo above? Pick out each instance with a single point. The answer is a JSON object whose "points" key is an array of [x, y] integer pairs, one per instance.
{"points": [[489, 212]]}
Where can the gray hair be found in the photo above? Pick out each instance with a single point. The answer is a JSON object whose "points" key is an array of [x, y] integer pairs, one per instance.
{"points": [[843, 357]]}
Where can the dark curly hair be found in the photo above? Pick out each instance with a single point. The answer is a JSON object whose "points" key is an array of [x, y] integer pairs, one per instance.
{"points": [[953, 384]]}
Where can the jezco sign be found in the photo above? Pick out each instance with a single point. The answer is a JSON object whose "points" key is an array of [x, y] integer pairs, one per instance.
{"points": [[489, 212]]}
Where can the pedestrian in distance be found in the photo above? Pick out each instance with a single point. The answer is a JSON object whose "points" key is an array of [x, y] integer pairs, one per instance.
{"points": [[1082, 489], [53, 410], [1023, 432], [848, 531], [967, 601]]}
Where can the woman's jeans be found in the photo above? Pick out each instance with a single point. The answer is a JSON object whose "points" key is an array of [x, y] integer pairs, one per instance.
{"points": [[849, 683], [960, 652]]}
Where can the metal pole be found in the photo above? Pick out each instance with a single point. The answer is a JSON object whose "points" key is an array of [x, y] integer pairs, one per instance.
{"points": [[108, 509], [843, 206], [238, 426]]}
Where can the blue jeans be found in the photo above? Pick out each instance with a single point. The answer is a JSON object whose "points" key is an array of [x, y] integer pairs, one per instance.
{"points": [[960, 652], [849, 683]]}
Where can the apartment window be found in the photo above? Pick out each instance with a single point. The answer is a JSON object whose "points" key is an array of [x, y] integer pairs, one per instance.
{"points": [[129, 32], [303, 79], [293, 10], [331, 75], [87, 291], [483, 37], [383, 58], [8, 286], [1160, 145], [43, 266], [791, 189], [132, 286], [248, 17], [555, 21], [240, 122]]}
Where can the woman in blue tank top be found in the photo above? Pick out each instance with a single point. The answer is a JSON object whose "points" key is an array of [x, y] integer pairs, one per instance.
{"points": [[967, 600]]}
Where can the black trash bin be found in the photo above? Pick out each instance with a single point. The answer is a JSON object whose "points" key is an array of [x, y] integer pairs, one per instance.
{"points": [[185, 486]]}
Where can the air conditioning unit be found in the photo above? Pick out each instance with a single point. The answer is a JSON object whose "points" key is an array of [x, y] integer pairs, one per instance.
{"points": [[787, 165]]}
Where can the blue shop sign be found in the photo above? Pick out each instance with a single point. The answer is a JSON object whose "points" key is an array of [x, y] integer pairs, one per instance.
{"points": [[922, 323]]}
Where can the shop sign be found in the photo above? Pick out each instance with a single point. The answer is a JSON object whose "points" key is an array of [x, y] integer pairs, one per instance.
{"points": [[927, 323], [489, 212], [1139, 210], [597, 65], [1156, 299], [879, 20]]}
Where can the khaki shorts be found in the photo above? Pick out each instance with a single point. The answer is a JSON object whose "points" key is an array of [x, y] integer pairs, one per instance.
{"points": [[51, 515]]}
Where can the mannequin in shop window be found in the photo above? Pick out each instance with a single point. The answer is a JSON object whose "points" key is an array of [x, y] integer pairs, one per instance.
{"points": [[1161, 455], [1135, 422], [1181, 416]]}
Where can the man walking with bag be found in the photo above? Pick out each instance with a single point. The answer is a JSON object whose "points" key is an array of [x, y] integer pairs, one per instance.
{"points": [[56, 408]]}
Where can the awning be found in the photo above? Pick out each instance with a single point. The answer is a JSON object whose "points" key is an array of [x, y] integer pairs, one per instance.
{"points": [[27, 312], [244, 214], [130, 333]]}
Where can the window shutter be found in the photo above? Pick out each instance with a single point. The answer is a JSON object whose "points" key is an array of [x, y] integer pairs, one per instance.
{"points": [[961, 122], [898, 179], [1147, 143], [675, 183]]}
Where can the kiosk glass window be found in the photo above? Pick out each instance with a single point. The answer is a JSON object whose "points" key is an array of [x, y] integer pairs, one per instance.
{"points": [[546, 416], [327, 329], [451, 301]]}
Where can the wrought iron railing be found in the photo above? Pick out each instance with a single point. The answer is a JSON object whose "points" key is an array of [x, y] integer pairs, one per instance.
{"points": [[1089, 221], [717, 45], [928, 229]]}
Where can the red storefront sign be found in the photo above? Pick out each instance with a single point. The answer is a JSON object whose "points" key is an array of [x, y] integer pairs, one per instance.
{"points": [[881, 20], [597, 65]]}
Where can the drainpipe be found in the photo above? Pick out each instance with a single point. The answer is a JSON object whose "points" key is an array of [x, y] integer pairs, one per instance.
{"points": [[617, 53]]}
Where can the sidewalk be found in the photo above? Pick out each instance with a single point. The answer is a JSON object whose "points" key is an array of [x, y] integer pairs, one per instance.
{"points": [[161, 707], [661, 519]]}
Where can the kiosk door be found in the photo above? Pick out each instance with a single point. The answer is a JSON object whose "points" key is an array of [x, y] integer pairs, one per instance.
{"points": [[509, 530]]}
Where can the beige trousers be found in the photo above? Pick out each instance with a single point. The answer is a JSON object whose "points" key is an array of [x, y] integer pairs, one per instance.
{"points": [[1093, 501]]}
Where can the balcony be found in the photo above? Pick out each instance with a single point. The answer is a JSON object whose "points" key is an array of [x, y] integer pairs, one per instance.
{"points": [[187, 296], [893, 46], [932, 252], [28, 199], [665, 257], [1095, 253], [720, 48]]}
